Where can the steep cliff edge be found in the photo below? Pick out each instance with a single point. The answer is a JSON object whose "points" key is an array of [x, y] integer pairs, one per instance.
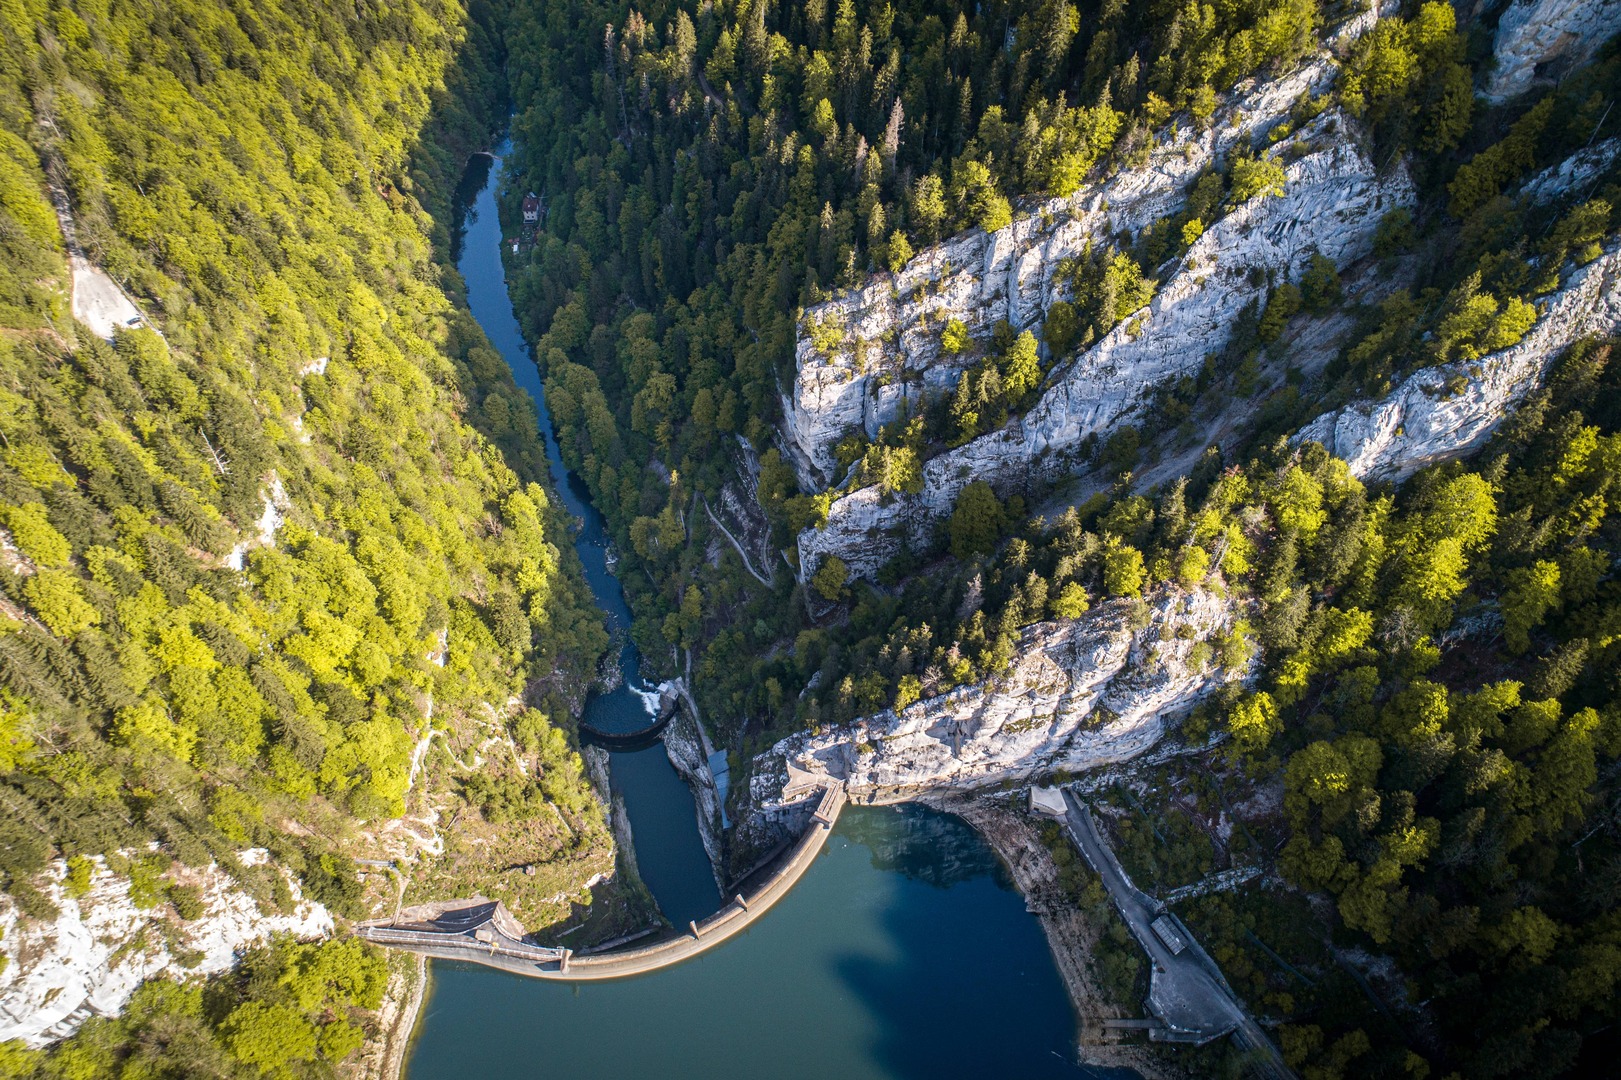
{"points": [[103, 944], [891, 353], [1448, 410], [1333, 200], [1547, 37], [869, 357], [1081, 694]]}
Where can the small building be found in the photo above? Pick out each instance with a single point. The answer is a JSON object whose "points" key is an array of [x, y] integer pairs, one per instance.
{"points": [[1166, 929], [534, 208], [1047, 802]]}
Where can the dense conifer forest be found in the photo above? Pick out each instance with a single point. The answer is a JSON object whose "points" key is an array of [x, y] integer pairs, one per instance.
{"points": [[713, 171], [1435, 690], [259, 177]]}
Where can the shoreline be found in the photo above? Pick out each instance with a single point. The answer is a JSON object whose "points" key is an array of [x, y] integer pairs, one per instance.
{"points": [[397, 1021], [461, 942], [1012, 836]]}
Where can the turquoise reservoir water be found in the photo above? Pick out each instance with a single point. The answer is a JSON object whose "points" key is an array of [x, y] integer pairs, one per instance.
{"points": [[903, 952]]}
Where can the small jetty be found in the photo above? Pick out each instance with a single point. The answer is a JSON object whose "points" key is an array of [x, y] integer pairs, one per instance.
{"points": [[484, 932]]}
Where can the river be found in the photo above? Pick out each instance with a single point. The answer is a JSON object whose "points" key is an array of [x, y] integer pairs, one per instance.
{"points": [[903, 952], [663, 817]]}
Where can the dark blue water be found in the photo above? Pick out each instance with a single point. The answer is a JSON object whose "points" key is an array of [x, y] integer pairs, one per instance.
{"points": [[663, 817], [902, 953]]}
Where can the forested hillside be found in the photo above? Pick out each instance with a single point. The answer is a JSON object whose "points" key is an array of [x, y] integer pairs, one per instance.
{"points": [[711, 169], [1431, 666], [280, 562], [176, 668]]}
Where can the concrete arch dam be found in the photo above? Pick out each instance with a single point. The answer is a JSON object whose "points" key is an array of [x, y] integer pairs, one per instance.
{"points": [[484, 932]]}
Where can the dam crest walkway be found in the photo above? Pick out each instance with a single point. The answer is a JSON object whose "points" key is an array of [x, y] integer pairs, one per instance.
{"points": [[484, 932]]}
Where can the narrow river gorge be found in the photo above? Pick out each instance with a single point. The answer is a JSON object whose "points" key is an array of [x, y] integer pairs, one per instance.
{"points": [[904, 951]]}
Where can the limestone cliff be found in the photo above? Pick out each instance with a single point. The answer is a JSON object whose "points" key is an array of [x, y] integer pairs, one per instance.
{"points": [[89, 960], [1546, 38], [1081, 693], [1095, 691], [1332, 202], [1445, 411], [891, 327]]}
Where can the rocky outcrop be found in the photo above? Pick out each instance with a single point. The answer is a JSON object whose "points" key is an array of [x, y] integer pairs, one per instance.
{"points": [[263, 534], [89, 960], [1576, 174], [684, 745], [1538, 38], [1448, 410], [890, 329], [1080, 694], [1332, 203]]}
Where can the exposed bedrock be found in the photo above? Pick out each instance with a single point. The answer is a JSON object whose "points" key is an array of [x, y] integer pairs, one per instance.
{"points": [[1080, 694], [1333, 200], [103, 944], [982, 278], [1448, 410], [1539, 39]]}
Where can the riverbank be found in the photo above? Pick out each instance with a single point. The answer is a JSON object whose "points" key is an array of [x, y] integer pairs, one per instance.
{"points": [[383, 1055], [1071, 933], [686, 747], [484, 933]]}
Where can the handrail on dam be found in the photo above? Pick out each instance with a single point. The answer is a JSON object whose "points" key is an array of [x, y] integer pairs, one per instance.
{"points": [[477, 933]]}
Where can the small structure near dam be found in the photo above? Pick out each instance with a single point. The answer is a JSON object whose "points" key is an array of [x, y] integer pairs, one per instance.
{"points": [[484, 932]]}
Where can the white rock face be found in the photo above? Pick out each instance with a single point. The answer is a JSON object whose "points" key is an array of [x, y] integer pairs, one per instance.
{"points": [[276, 505], [981, 279], [90, 960], [1451, 409], [1535, 33], [1081, 694], [1576, 173], [98, 302], [1333, 200]]}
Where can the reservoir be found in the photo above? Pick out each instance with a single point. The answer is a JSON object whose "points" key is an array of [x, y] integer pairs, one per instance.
{"points": [[903, 952]]}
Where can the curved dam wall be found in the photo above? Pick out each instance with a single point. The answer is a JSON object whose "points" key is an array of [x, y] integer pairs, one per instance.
{"points": [[494, 946]]}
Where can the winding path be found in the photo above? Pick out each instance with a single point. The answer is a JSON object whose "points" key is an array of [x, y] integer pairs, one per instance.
{"points": [[483, 932], [738, 547]]}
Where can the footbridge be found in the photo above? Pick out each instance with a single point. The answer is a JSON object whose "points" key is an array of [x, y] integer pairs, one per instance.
{"points": [[483, 932]]}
